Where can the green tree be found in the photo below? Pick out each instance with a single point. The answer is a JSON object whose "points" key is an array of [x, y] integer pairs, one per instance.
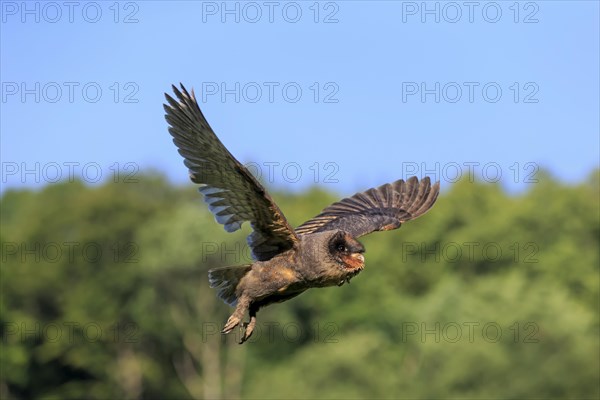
{"points": [[104, 295]]}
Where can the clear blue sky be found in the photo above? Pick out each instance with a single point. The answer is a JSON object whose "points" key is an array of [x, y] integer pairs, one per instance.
{"points": [[388, 89]]}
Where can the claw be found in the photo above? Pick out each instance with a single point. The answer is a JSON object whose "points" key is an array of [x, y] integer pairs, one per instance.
{"points": [[247, 328], [231, 323], [236, 319]]}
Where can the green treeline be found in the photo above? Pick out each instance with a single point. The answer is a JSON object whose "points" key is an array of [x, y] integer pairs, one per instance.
{"points": [[489, 295]]}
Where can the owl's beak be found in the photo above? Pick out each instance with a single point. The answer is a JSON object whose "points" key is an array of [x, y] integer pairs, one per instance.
{"points": [[353, 261], [359, 257]]}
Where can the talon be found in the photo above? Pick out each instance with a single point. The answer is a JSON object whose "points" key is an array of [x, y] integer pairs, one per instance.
{"points": [[231, 323], [248, 328]]}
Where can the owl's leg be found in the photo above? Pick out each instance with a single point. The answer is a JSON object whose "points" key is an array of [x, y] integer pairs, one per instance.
{"points": [[235, 318], [248, 327]]}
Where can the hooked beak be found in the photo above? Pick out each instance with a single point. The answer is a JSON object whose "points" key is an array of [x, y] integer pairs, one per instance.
{"points": [[353, 264], [359, 257]]}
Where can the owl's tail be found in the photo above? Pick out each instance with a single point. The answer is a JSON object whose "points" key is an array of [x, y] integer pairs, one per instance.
{"points": [[226, 279]]}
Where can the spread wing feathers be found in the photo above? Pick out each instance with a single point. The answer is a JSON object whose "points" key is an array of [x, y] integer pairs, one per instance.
{"points": [[232, 193], [378, 209]]}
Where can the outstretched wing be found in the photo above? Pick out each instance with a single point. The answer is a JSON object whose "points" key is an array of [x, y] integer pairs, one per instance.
{"points": [[378, 209], [232, 193]]}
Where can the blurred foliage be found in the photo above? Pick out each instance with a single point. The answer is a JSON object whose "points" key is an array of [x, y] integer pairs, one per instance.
{"points": [[104, 295]]}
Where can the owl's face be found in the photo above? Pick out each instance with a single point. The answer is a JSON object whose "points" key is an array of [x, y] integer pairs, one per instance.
{"points": [[347, 252]]}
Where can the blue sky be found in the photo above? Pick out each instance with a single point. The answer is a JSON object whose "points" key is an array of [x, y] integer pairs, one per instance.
{"points": [[346, 94]]}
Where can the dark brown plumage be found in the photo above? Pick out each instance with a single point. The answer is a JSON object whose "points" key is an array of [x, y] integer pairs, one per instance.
{"points": [[321, 252]]}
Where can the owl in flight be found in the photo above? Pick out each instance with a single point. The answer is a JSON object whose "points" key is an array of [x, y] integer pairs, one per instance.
{"points": [[323, 251]]}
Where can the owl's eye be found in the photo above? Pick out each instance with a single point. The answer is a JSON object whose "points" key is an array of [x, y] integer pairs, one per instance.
{"points": [[341, 247]]}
